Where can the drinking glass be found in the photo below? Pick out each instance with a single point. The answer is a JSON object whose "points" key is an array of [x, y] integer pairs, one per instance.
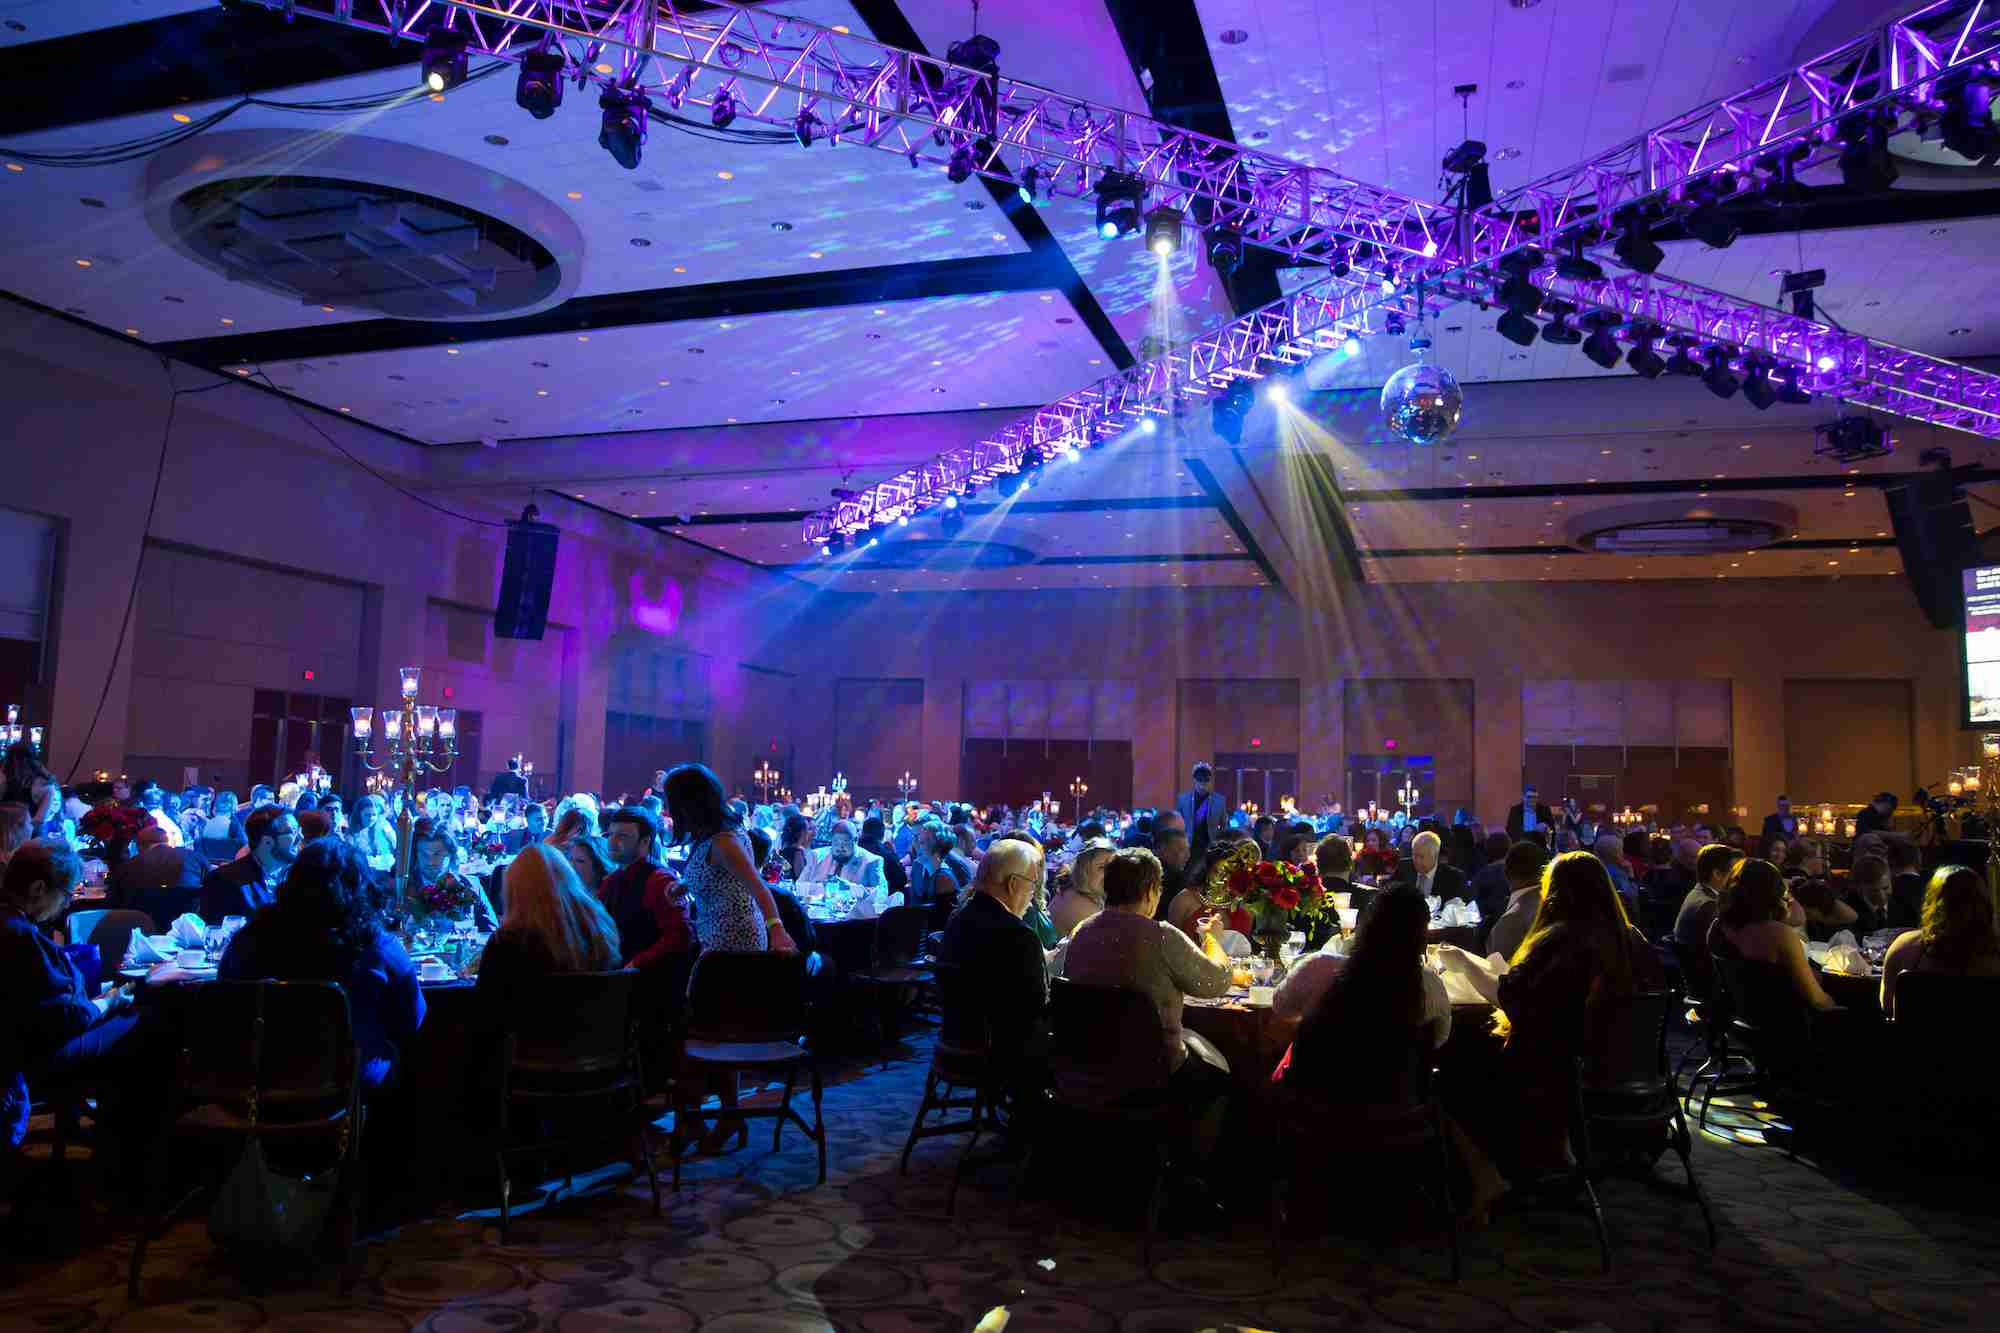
{"points": [[232, 924], [213, 942]]}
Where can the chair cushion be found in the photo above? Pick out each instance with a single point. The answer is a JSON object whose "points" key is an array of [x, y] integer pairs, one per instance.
{"points": [[742, 1052]]}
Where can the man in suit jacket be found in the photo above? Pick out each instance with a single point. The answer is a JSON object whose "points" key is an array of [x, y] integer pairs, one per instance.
{"points": [[1424, 874], [510, 783], [157, 866], [1518, 818], [248, 884], [1782, 824], [1202, 812]]}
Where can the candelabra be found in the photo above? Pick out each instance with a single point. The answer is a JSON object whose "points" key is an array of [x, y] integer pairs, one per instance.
{"points": [[1078, 789], [1987, 778], [765, 777], [839, 784], [12, 734], [1627, 816], [1407, 794], [1250, 808], [1287, 806], [419, 739], [906, 786]]}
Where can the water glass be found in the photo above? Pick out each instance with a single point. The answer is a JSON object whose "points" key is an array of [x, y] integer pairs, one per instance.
{"points": [[213, 942]]}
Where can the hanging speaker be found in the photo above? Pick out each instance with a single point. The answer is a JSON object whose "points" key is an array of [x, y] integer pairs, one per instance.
{"points": [[527, 578], [1934, 534]]}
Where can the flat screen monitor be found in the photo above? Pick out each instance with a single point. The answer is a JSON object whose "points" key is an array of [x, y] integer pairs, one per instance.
{"points": [[1982, 647]]}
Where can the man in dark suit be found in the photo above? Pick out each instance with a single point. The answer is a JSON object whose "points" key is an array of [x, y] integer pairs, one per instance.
{"points": [[998, 994], [1781, 824], [1906, 884], [245, 886], [1527, 815], [1202, 812], [510, 783], [160, 871], [1334, 855], [1875, 818], [1425, 875]]}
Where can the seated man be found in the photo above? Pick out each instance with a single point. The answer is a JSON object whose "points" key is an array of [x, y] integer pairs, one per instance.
{"points": [[157, 866], [1424, 873], [248, 884], [1000, 996], [843, 860], [1523, 867]]}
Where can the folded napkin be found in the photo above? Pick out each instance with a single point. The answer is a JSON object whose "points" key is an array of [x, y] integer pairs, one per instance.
{"points": [[1846, 960], [1843, 937], [1458, 912], [189, 931], [142, 952], [865, 907], [1432, 901]]}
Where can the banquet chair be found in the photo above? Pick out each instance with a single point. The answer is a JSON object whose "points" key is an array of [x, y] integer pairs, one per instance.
{"points": [[165, 906], [1774, 1025], [275, 1063], [1405, 1128], [218, 850], [1708, 1014], [111, 930], [1939, 1017], [1626, 1107], [1109, 1074], [961, 1078], [748, 1011], [571, 1045], [895, 968]]}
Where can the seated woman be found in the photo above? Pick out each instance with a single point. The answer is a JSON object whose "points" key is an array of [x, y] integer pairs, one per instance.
{"points": [[1191, 904], [1581, 956], [553, 924], [589, 857], [1756, 922], [323, 927], [1376, 858], [1362, 1014], [438, 890], [1958, 937], [1080, 895]]}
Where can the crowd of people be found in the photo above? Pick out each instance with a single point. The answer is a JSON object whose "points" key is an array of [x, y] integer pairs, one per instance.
{"points": [[1015, 897]]}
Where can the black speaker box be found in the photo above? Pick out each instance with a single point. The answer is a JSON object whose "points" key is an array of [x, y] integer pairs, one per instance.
{"points": [[526, 580], [1933, 530]]}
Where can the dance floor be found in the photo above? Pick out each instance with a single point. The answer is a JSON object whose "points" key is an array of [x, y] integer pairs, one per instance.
{"points": [[749, 1246]]}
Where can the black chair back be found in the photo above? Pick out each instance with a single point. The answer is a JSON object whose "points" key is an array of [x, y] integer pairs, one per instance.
{"points": [[1761, 998], [1697, 972], [218, 850], [747, 997], [899, 936], [1941, 1003], [1106, 1044], [167, 905], [111, 931], [965, 1016], [572, 1022], [1628, 1054], [285, 1048]]}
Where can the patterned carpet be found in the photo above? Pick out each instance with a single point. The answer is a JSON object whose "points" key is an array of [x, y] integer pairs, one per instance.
{"points": [[750, 1246]]}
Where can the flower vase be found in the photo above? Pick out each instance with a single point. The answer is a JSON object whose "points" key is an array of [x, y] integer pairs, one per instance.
{"points": [[1272, 927]]}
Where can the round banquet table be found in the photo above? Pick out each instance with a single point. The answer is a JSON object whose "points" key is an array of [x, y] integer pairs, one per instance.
{"points": [[1253, 1038]]}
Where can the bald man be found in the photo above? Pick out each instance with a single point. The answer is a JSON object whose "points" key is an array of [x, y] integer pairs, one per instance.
{"points": [[1426, 873]]}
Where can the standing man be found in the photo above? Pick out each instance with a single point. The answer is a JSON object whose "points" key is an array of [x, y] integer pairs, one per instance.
{"points": [[1875, 819], [635, 892], [509, 783], [1528, 816], [1201, 811], [1782, 824]]}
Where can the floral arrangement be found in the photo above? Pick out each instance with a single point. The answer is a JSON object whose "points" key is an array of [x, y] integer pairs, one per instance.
{"points": [[446, 896], [1244, 879], [113, 826]]}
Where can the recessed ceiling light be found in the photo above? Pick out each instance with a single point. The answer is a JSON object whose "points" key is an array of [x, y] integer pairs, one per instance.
{"points": [[451, 351], [730, 420], [183, 118], [697, 351], [1960, 331], [541, 393], [642, 243], [1604, 453], [781, 226], [665, 383], [326, 309], [840, 28], [725, 175], [583, 337], [227, 320], [83, 263], [680, 268], [815, 254], [347, 409], [497, 140], [1234, 36], [131, 333], [1940, 231], [1506, 154], [604, 69], [15, 166], [573, 194]]}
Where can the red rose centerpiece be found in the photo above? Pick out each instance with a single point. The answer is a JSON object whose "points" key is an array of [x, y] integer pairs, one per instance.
{"points": [[1272, 892]]}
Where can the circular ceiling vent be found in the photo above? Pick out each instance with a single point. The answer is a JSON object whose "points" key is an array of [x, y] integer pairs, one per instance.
{"points": [[359, 246], [1703, 526], [929, 554]]}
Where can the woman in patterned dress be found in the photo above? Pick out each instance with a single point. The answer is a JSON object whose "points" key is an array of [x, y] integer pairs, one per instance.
{"points": [[733, 911]]}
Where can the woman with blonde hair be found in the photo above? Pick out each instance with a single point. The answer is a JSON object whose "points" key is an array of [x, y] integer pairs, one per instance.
{"points": [[553, 924], [575, 816], [1958, 935]]}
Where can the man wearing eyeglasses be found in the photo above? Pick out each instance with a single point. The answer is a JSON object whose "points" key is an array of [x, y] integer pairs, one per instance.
{"points": [[248, 884], [1000, 997]]}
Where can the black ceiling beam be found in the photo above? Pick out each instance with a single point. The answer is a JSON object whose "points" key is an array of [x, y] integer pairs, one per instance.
{"points": [[1210, 487], [1165, 40], [1107, 505], [615, 310], [1800, 544], [1837, 208], [1601, 489], [889, 25]]}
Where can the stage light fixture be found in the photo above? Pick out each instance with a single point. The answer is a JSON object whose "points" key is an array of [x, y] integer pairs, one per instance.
{"points": [[804, 126], [1231, 406], [902, 520], [1350, 346], [1031, 179], [1791, 387], [1148, 426], [1720, 379], [1757, 385], [538, 90], [1520, 296], [1636, 250], [1225, 251], [951, 523], [1393, 325], [1866, 164], [723, 113], [1682, 362], [622, 125], [1118, 198], [1559, 330], [1602, 344], [1710, 224], [1388, 284], [1163, 230], [1575, 266], [1517, 328], [444, 59], [1967, 123], [959, 169], [1341, 266], [1645, 362], [951, 502]]}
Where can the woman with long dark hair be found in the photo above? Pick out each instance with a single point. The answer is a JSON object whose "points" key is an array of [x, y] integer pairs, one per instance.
{"points": [[1355, 1039], [324, 926], [1958, 935], [1754, 923]]}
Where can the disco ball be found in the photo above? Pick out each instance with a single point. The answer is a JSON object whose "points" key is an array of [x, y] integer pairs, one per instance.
{"points": [[1421, 403]]}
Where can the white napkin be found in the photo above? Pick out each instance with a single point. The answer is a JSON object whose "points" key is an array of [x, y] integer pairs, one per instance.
{"points": [[1431, 900], [189, 931], [1470, 979], [865, 907], [1843, 937], [1458, 912], [1846, 960], [141, 952]]}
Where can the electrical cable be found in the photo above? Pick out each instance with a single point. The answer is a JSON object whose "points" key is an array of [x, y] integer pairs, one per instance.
{"points": [[403, 491], [138, 570]]}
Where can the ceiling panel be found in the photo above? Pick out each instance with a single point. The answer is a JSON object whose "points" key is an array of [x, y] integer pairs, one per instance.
{"points": [[26, 21]]}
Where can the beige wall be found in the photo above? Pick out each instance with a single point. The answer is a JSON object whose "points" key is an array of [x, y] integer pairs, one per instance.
{"points": [[253, 501]]}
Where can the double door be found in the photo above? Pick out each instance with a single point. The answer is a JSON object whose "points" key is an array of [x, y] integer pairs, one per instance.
{"points": [[1264, 780], [1383, 779]]}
